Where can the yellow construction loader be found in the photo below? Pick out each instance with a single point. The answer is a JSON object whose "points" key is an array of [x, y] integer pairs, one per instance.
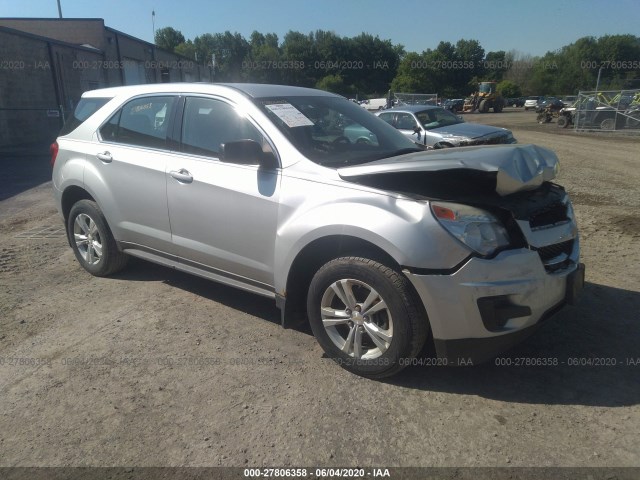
{"points": [[484, 99]]}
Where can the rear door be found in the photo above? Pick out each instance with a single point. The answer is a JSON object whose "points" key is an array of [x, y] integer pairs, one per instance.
{"points": [[127, 172], [223, 215]]}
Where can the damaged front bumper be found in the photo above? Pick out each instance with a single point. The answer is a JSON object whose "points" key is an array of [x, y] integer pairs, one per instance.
{"points": [[489, 305]]}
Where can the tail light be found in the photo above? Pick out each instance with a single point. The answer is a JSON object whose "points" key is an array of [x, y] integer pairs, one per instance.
{"points": [[53, 150]]}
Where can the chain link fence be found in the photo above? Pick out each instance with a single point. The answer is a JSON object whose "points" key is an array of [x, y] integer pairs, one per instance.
{"points": [[617, 110]]}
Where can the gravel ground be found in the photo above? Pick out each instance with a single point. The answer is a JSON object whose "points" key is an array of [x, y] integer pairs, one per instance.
{"points": [[153, 367]]}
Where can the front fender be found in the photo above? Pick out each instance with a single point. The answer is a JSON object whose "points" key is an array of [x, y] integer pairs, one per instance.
{"points": [[404, 228]]}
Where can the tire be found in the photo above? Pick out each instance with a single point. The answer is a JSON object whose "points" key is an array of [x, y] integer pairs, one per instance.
{"points": [[484, 106], [376, 345], [608, 124], [92, 240], [633, 120], [497, 107], [562, 122], [542, 118]]}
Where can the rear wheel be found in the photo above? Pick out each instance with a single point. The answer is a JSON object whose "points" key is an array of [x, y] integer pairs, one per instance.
{"points": [[608, 124], [633, 120], [366, 316], [92, 241]]}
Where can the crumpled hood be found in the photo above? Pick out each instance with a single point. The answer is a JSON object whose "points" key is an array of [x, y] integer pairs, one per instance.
{"points": [[516, 167]]}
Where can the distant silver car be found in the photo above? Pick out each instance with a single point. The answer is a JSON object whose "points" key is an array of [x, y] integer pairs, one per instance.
{"points": [[437, 127], [532, 102], [383, 246]]}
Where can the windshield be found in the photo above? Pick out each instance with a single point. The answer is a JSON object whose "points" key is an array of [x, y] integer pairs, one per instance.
{"points": [[437, 117], [333, 131], [486, 88]]}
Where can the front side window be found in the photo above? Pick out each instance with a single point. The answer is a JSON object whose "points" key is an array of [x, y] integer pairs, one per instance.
{"points": [[406, 121], [142, 122], [387, 117], [209, 123]]}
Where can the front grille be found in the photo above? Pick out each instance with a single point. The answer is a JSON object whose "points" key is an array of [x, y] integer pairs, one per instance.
{"points": [[549, 215], [552, 251]]}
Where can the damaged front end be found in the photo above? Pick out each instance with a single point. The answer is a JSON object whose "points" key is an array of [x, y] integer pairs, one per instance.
{"points": [[512, 183], [527, 265]]}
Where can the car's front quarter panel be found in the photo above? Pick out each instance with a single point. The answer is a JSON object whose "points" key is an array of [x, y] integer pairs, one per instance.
{"points": [[402, 227]]}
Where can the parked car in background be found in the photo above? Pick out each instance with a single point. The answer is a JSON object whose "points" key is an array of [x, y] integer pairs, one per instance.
{"points": [[375, 103], [382, 245], [436, 127], [454, 105], [515, 102], [569, 100], [532, 102]]}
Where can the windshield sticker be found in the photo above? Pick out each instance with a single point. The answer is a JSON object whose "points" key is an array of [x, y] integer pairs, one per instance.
{"points": [[290, 115]]}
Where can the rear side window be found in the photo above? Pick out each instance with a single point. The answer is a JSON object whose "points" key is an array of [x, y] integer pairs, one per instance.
{"points": [[142, 122], [85, 108]]}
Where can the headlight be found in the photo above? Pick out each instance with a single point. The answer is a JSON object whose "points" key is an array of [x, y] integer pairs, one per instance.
{"points": [[477, 229]]}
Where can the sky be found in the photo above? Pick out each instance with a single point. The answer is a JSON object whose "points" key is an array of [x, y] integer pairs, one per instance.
{"points": [[528, 26]]}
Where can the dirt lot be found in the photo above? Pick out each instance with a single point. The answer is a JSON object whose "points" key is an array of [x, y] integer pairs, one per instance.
{"points": [[154, 367]]}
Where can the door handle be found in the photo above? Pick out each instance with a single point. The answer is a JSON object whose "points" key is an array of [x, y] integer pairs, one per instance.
{"points": [[105, 157], [182, 175]]}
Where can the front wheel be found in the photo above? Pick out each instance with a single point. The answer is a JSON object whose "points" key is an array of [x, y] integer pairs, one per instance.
{"points": [[92, 241], [366, 316]]}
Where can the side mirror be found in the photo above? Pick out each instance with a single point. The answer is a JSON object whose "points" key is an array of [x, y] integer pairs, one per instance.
{"points": [[418, 130], [247, 152]]}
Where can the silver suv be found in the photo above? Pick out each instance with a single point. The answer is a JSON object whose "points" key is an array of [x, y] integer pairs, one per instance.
{"points": [[384, 247]]}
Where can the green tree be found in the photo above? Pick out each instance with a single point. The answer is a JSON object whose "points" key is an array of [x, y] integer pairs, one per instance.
{"points": [[371, 63], [509, 89], [495, 66], [332, 83], [471, 53], [298, 47], [168, 38], [224, 52], [264, 57], [187, 49], [413, 76]]}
